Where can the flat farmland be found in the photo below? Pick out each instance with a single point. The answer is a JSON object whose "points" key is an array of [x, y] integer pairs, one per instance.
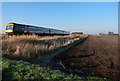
{"points": [[97, 55]]}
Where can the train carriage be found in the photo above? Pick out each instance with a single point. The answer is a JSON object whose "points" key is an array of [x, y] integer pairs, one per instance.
{"points": [[14, 28]]}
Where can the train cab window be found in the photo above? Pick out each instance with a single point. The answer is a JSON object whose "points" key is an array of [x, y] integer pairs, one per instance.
{"points": [[9, 27]]}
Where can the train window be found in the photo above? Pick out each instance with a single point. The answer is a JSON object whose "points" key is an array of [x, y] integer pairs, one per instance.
{"points": [[23, 28], [52, 31], [41, 30], [33, 29], [9, 27], [30, 29], [46, 30], [15, 28], [19, 29]]}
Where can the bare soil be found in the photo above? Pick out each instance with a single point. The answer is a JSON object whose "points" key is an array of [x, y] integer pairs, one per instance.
{"points": [[97, 55]]}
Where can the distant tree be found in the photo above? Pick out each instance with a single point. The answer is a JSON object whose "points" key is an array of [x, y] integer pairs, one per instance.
{"points": [[100, 33], [77, 32], [110, 33]]}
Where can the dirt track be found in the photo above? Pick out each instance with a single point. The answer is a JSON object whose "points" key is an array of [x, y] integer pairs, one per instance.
{"points": [[97, 55]]}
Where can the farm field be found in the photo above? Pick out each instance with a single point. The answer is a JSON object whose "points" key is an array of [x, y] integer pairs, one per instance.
{"points": [[97, 55], [22, 70]]}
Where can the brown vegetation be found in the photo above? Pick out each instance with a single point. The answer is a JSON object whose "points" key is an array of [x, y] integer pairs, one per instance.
{"points": [[33, 46], [3, 36]]}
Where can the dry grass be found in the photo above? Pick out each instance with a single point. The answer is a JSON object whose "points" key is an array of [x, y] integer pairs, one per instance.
{"points": [[33, 46], [3, 36]]}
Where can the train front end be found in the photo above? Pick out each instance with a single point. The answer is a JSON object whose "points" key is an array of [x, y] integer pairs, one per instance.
{"points": [[9, 29]]}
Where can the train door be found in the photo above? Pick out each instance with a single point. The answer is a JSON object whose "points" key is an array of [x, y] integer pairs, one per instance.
{"points": [[54, 31], [43, 30], [49, 31], [27, 31]]}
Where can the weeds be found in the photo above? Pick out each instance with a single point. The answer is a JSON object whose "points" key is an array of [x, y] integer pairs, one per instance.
{"points": [[12, 70], [33, 46]]}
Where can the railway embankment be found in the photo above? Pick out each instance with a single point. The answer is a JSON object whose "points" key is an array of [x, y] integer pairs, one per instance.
{"points": [[47, 57], [34, 47]]}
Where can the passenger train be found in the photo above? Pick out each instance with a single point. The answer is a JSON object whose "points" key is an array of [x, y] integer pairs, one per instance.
{"points": [[14, 29]]}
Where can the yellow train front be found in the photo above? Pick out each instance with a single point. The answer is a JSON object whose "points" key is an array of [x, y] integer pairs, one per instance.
{"points": [[9, 29], [13, 28]]}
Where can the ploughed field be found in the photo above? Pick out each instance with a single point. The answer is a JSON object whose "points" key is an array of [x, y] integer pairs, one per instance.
{"points": [[97, 55]]}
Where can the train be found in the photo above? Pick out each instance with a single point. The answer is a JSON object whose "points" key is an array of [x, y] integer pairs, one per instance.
{"points": [[19, 29]]}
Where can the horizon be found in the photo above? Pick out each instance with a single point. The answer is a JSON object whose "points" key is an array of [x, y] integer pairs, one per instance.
{"points": [[86, 17]]}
